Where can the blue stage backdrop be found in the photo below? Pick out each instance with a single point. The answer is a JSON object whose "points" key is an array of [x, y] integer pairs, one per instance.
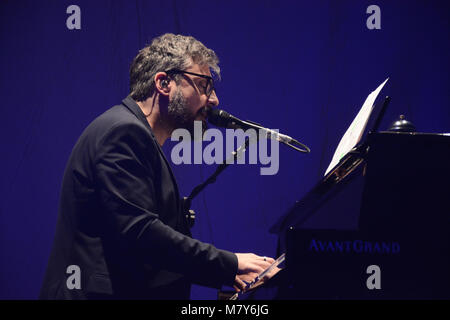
{"points": [[304, 67]]}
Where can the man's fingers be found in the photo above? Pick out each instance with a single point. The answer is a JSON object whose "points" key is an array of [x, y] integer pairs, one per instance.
{"points": [[258, 269], [268, 259], [239, 284], [261, 264], [251, 265]]}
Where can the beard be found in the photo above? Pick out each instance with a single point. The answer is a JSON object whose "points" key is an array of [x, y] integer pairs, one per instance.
{"points": [[180, 116]]}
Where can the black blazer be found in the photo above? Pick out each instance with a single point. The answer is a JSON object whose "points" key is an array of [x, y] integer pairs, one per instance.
{"points": [[120, 220]]}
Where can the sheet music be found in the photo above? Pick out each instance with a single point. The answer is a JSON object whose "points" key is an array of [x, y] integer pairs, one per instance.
{"points": [[356, 129]]}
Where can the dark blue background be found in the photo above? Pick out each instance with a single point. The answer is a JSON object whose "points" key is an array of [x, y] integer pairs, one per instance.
{"points": [[304, 67]]}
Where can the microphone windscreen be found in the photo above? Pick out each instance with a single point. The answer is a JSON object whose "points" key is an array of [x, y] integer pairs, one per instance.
{"points": [[219, 118]]}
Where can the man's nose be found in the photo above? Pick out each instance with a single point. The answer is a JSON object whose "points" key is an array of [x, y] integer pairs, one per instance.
{"points": [[213, 100]]}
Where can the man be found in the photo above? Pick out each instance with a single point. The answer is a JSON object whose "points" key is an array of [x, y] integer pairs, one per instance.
{"points": [[121, 232]]}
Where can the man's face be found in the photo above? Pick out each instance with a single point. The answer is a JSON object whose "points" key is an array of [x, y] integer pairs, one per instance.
{"points": [[188, 101]]}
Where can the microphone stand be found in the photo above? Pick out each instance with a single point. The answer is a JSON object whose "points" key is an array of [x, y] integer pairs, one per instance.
{"points": [[187, 201]]}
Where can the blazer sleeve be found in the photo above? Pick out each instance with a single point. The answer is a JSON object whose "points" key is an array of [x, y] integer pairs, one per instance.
{"points": [[125, 174]]}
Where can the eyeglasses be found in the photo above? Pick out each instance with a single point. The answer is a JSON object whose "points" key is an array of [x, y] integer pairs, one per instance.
{"points": [[207, 89]]}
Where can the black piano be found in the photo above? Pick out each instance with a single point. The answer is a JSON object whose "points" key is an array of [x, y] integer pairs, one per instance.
{"points": [[376, 227]]}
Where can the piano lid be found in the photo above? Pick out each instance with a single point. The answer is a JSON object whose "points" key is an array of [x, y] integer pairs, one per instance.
{"points": [[387, 156], [328, 188]]}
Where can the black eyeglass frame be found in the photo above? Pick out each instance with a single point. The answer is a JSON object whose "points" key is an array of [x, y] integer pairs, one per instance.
{"points": [[205, 88]]}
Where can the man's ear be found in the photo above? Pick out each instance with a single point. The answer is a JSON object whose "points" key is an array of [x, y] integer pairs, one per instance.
{"points": [[162, 83]]}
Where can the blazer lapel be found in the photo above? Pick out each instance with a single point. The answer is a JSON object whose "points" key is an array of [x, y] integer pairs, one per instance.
{"points": [[136, 110]]}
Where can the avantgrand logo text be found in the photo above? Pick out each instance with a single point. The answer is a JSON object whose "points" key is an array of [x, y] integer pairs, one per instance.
{"points": [[354, 246]]}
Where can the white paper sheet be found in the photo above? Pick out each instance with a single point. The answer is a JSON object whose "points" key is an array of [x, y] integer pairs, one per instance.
{"points": [[356, 129]]}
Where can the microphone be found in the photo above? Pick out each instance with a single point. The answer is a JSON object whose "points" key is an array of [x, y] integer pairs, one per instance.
{"points": [[221, 118]]}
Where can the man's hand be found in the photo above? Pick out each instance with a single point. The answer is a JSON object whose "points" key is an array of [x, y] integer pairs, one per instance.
{"points": [[249, 267], [264, 279]]}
